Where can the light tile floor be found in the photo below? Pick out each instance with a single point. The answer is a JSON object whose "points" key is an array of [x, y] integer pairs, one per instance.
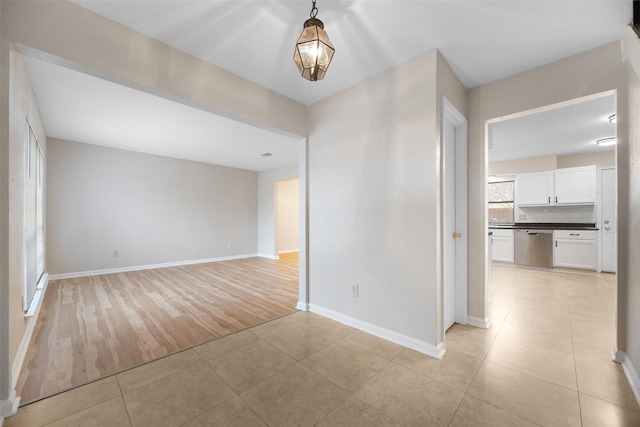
{"points": [[545, 361]]}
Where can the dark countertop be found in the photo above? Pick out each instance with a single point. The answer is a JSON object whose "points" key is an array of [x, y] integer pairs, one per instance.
{"points": [[544, 226]]}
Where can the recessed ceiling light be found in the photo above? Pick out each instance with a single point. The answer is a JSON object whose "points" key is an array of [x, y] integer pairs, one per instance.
{"points": [[266, 154], [603, 142], [612, 118]]}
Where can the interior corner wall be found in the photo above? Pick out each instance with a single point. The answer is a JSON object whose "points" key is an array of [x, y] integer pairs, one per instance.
{"points": [[7, 391], [595, 71], [629, 317], [150, 209], [22, 106], [266, 207], [6, 386], [373, 162], [450, 87]]}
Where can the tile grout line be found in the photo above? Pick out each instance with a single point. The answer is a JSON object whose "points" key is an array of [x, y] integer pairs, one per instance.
{"points": [[573, 352], [124, 402]]}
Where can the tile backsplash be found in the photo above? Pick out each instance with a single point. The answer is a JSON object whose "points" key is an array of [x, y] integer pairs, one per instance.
{"points": [[568, 214]]}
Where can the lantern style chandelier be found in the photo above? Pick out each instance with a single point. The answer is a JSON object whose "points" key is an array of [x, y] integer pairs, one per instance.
{"points": [[314, 49]]}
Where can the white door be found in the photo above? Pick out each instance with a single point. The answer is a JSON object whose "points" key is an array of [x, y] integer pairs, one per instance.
{"points": [[608, 220], [449, 223], [454, 216]]}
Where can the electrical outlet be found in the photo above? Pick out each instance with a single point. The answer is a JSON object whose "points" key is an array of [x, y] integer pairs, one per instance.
{"points": [[355, 292], [116, 254], [229, 244]]}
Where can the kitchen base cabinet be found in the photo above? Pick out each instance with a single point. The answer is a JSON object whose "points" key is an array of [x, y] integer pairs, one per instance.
{"points": [[575, 249], [502, 247]]}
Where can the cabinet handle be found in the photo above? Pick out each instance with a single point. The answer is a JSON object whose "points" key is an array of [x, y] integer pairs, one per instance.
{"points": [[556, 199], [607, 228], [556, 243], [574, 234], [549, 199]]}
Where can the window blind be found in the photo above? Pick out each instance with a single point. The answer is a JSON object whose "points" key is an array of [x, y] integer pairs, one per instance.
{"points": [[33, 256]]}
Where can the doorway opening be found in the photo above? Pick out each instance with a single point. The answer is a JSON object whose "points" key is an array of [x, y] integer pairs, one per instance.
{"points": [[554, 141], [287, 214]]}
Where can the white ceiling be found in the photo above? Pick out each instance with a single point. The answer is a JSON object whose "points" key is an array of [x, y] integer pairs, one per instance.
{"points": [[482, 41], [563, 130], [78, 107]]}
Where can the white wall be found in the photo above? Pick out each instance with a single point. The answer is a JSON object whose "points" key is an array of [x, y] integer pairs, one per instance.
{"points": [[551, 162], [605, 158], [373, 211], [629, 294], [529, 164], [151, 209], [288, 215], [21, 105], [266, 207]]}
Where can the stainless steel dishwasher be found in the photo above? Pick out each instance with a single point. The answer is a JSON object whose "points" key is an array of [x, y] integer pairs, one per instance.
{"points": [[534, 248]]}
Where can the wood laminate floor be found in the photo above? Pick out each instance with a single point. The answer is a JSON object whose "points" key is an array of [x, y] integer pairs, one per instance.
{"points": [[91, 327]]}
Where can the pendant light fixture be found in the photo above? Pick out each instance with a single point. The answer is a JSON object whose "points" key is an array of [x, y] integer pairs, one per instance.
{"points": [[314, 49]]}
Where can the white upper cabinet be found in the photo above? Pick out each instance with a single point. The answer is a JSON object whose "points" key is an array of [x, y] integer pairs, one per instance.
{"points": [[575, 186], [569, 186], [534, 189]]}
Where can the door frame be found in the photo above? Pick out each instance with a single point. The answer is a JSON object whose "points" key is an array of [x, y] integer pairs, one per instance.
{"points": [[453, 116], [599, 216]]}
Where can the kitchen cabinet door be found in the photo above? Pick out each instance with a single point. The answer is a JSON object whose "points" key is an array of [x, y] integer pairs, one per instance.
{"points": [[534, 189], [502, 249], [575, 186], [502, 245], [574, 253]]}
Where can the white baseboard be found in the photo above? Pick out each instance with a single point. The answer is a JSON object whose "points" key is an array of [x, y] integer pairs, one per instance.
{"points": [[395, 337], [289, 251], [31, 318], [146, 267], [274, 257], [9, 407], [479, 322], [630, 372], [302, 306]]}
